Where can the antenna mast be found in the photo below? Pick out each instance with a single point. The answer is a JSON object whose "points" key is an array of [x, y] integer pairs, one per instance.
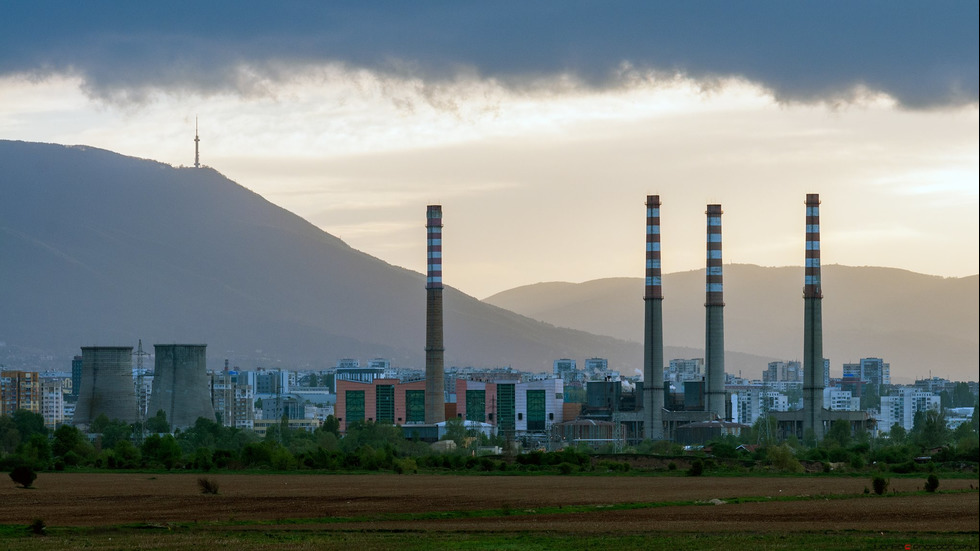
{"points": [[140, 394], [197, 141]]}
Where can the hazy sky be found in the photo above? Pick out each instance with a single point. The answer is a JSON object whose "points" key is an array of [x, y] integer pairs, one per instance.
{"points": [[540, 128]]}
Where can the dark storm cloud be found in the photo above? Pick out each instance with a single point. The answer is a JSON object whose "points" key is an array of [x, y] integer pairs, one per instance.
{"points": [[924, 54]]}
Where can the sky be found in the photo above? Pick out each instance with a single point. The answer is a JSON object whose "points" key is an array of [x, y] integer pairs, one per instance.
{"points": [[540, 127]]}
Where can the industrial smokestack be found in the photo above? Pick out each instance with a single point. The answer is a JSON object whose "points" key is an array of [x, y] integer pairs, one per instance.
{"points": [[812, 323], [106, 385], [435, 408], [714, 334], [653, 328], [181, 386]]}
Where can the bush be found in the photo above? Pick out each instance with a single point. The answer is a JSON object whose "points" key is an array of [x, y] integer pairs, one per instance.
{"points": [[38, 527], [671, 466], [697, 468], [932, 483], [23, 475], [566, 468], [880, 484], [208, 485]]}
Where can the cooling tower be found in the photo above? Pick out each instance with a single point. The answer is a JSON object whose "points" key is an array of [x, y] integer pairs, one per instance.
{"points": [[812, 323], [181, 387], [435, 408], [653, 328], [106, 385], [714, 331]]}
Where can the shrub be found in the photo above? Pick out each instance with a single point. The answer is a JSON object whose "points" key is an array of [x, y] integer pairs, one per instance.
{"points": [[208, 485], [880, 484], [23, 475], [671, 466], [697, 468], [566, 468], [38, 527], [932, 483]]}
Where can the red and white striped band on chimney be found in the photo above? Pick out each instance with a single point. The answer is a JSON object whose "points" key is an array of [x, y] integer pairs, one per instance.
{"points": [[714, 295], [812, 286], [654, 288], [434, 247]]}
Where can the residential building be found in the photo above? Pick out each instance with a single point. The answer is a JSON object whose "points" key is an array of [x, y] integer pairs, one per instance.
{"points": [[19, 390], [902, 405], [680, 371], [52, 402], [873, 371], [233, 399]]}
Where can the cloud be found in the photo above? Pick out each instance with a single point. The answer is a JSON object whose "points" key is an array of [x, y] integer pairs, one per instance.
{"points": [[924, 55]]}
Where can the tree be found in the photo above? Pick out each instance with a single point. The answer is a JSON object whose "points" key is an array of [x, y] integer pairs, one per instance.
{"points": [[66, 439], [930, 430], [9, 435], [23, 476], [331, 425], [158, 423], [29, 423], [897, 434], [456, 431], [36, 451], [164, 450], [962, 397], [839, 434], [115, 431]]}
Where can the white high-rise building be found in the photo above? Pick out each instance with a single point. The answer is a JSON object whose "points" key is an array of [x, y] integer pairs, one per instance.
{"points": [[901, 407]]}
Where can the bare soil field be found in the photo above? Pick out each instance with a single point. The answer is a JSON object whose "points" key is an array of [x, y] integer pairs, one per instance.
{"points": [[831, 503]]}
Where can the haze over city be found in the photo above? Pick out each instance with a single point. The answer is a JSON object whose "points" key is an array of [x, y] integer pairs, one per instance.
{"points": [[538, 131]]}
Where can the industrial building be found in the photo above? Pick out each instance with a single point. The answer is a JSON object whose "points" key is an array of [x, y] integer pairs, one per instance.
{"points": [[181, 386], [106, 386], [381, 401]]}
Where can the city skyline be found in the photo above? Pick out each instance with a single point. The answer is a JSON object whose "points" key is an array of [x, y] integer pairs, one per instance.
{"points": [[541, 146]]}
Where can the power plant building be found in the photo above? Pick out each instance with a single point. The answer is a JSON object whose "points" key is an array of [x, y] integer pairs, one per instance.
{"points": [[181, 385], [107, 385]]}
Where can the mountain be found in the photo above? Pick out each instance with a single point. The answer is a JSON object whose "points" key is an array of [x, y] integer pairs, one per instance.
{"points": [[101, 249], [918, 323]]}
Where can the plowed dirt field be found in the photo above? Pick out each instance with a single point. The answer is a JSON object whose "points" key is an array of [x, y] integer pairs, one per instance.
{"points": [[71, 499]]}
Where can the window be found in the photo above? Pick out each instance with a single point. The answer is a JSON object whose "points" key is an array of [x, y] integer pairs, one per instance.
{"points": [[355, 405], [536, 410], [415, 406], [384, 404], [476, 405]]}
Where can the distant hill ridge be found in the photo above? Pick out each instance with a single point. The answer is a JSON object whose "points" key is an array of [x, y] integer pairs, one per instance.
{"points": [[918, 323], [97, 248]]}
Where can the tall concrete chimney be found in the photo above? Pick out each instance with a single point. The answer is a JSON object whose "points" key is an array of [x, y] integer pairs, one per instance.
{"points": [[714, 333], [653, 329], [435, 407], [812, 323]]}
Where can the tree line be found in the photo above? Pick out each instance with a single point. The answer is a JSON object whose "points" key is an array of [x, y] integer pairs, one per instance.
{"points": [[369, 446]]}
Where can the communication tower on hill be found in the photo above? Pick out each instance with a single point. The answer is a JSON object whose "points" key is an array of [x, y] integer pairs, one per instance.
{"points": [[197, 151]]}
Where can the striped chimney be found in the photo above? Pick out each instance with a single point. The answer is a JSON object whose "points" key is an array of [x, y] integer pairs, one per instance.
{"points": [[714, 331], [813, 418], [435, 409], [653, 330]]}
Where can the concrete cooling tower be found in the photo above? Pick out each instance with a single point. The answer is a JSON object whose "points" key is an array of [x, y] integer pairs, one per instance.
{"points": [[180, 384], [106, 385]]}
